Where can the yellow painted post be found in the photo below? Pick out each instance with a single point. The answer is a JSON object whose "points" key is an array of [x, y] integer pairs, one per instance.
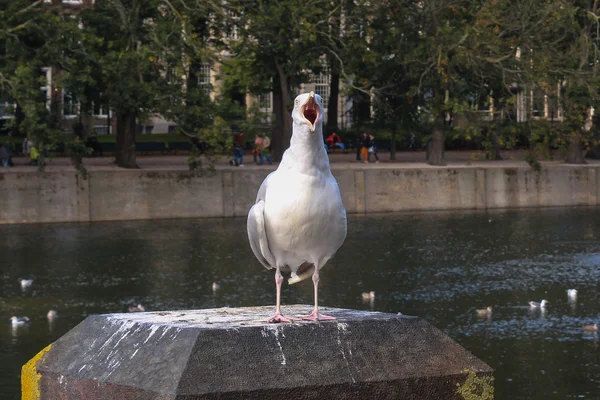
{"points": [[30, 379]]}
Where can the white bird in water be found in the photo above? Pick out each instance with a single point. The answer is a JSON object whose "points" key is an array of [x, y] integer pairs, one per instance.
{"points": [[541, 305], [572, 294], [299, 221], [138, 308], [52, 314], [215, 287], [590, 328], [484, 313], [19, 321], [26, 283]]}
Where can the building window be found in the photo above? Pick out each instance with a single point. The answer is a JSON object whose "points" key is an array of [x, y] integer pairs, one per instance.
{"points": [[70, 103], [538, 104], [264, 101], [322, 82], [172, 129], [204, 78], [144, 129], [100, 110], [101, 130]]}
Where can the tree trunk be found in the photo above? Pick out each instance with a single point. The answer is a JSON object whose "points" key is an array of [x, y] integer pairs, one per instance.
{"points": [[435, 148], [393, 143], [282, 130], [125, 152], [332, 104], [19, 118], [575, 153], [277, 127]]}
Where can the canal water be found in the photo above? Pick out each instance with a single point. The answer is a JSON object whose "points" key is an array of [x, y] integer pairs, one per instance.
{"points": [[438, 266]]}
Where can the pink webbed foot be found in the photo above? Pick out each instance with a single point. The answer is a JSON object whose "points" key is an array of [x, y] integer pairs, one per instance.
{"points": [[317, 316], [278, 318]]}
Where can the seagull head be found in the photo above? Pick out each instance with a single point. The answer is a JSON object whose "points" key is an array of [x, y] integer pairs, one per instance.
{"points": [[308, 111]]}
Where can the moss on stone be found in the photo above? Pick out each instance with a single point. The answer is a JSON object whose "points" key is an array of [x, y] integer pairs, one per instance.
{"points": [[475, 387]]}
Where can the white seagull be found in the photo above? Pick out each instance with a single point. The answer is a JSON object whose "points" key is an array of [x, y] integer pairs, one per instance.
{"points": [[299, 221], [19, 321], [541, 305], [572, 294]]}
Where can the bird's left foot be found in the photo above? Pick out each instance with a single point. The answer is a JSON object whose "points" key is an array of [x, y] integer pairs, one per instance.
{"points": [[278, 318], [317, 316]]}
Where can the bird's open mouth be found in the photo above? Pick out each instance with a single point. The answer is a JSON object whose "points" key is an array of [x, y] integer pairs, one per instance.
{"points": [[310, 110]]}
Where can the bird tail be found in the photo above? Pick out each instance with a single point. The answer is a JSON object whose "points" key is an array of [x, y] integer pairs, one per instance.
{"points": [[306, 273]]}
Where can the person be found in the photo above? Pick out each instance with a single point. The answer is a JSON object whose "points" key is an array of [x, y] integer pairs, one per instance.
{"points": [[372, 148], [34, 155], [238, 150], [358, 147], [257, 148], [334, 140], [5, 158], [265, 150], [364, 147], [25, 146], [93, 143]]}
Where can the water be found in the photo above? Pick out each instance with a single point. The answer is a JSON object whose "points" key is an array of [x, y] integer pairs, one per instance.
{"points": [[439, 266]]}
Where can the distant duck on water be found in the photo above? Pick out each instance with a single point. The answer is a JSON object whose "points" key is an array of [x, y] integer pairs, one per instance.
{"points": [[26, 283], [15, 321], [138, 308], [368, 296], [538, 306], [52, 314], [590, 328], [485, 312]]}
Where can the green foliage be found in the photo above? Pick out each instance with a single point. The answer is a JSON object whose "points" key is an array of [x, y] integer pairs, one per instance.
{"points": [[415, 65]]}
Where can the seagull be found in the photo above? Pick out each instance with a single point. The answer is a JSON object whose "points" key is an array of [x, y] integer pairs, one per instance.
{"points": [[590, 328], [26, 283], [572, 294], [215, 287], [52, 314], [541, 305], [19, 321], [138, 308], [299, 220], [485, 312]]}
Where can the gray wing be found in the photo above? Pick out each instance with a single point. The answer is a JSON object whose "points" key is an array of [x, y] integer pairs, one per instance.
{"points": [[257, 234]]}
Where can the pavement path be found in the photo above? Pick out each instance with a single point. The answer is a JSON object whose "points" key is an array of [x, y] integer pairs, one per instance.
{"points": [[454, 159]]}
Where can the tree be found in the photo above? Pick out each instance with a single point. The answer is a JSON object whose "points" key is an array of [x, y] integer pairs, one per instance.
{"points": [[278, 42], [142, 58]]}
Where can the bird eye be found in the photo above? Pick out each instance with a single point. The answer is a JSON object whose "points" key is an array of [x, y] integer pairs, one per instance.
{"points": [[297, 102]]}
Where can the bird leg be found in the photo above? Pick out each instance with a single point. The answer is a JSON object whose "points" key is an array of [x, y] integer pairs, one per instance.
{"points": [[316, 315], [278, 317]]}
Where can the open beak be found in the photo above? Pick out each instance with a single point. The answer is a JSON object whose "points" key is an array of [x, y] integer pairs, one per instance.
{"points": [[310, 111]]}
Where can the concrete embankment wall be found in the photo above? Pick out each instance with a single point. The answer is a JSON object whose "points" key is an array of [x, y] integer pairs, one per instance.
{"points": [[61, 196]]}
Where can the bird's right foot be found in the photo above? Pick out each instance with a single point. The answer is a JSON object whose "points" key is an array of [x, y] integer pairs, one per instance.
{"points": [[278, 318]]}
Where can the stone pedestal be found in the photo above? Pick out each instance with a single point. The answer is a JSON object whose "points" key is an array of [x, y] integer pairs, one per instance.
{"points": [[232, 353]]}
